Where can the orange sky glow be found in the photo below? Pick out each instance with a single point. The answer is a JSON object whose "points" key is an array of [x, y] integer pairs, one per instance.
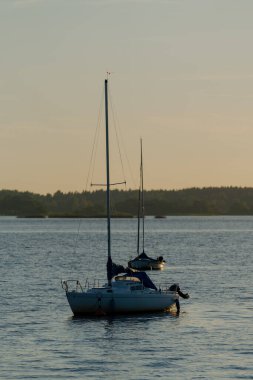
{"points": [[182, 79]]}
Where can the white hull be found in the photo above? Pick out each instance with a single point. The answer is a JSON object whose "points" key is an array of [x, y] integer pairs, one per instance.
{"points": [[120, 299]]}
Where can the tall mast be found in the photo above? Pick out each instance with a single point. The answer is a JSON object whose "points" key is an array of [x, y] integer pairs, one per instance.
{"points": [[109, 261], [139, 215], [142, 200]]}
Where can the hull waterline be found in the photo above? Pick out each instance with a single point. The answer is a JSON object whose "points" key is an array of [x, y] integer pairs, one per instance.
{"points": [[86, 305]]}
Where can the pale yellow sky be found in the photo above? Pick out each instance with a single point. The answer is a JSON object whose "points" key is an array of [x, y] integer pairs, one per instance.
{"points": [[182, 80]]}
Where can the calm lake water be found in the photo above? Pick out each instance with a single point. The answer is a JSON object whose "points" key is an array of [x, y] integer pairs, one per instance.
{"points": [[210, 257]]}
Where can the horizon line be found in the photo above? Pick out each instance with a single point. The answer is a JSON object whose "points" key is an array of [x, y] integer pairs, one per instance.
{"points": [[131, 189]]}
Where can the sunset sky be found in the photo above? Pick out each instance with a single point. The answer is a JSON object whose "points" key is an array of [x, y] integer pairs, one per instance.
{"points": [[182, 79]]}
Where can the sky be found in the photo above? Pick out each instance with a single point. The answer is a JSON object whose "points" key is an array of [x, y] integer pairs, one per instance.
{"points": [[181, 79]]}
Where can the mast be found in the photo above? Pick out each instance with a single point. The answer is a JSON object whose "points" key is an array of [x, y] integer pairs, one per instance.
{"points": [[139, 215], [142, 200], [109, 260]]}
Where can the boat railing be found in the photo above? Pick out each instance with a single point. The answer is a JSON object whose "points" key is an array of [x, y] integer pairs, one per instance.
{"points": [[71, 285]]}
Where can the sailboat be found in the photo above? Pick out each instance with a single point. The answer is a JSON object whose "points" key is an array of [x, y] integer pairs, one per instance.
{"points": [[142, 261], [125, 291]]}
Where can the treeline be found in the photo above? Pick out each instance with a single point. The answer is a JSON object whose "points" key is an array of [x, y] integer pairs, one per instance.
{"points": [[193, 201]]}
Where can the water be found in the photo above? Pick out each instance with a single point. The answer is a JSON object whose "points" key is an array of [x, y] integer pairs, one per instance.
{"points": [[211, 258]]}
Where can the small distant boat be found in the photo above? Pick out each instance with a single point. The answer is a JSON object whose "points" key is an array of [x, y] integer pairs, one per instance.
{"points": [[142, 261], [126, 291]]}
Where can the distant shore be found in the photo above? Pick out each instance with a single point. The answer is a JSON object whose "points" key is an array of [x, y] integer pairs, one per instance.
{"points": [[124, 204]]}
